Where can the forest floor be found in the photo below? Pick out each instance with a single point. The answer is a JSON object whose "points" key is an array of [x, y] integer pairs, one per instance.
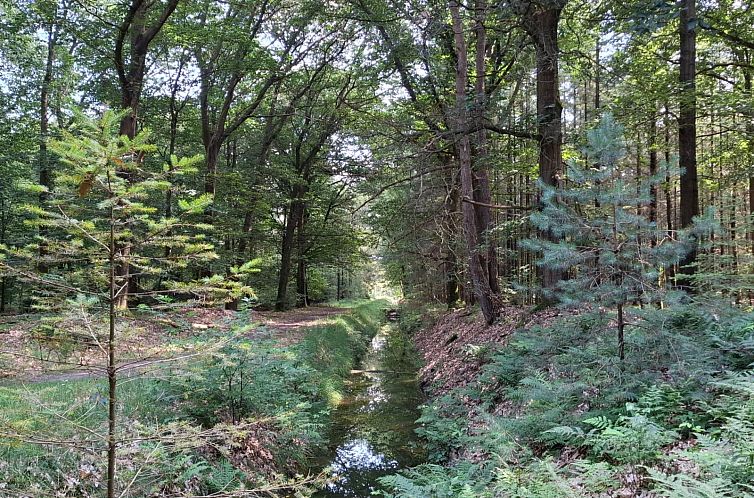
{"points": [[540, 404], [288, 326], [289, 366], [67, 350], [448, 346]]}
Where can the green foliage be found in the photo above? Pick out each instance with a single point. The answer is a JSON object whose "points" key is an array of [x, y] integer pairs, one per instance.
{"points": [[443, 427], [669, 411], [102, 189], [224, 420], [295, 386], [596, 230], [629, 439], [436, 481]]}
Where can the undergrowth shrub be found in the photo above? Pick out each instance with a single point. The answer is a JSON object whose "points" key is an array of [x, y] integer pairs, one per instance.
{"points": [[242, 416], [555, 413], [443, 427], [295, 385]]}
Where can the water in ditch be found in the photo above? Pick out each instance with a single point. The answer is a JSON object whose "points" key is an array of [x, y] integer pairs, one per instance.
{"points": [[372, 432]]}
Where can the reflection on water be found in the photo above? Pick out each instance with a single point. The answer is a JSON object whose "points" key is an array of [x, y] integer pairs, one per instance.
{"points": [[375, 396], [373, 429], [353, 460]]}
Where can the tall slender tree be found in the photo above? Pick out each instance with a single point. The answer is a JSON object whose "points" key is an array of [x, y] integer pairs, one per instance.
{"points": [[689, 203]]}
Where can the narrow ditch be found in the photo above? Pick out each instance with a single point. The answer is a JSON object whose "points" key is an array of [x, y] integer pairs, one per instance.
{"points": [[372, 432]]}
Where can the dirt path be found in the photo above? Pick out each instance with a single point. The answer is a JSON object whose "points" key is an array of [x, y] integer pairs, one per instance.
{"points": [[287, 327]]}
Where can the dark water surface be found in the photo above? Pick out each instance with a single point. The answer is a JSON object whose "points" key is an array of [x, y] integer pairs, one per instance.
{"points": [[372, 431]]}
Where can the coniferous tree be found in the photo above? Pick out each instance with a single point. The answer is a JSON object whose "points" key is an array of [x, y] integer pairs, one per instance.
{"points": [[613, 253], [95, 221]]}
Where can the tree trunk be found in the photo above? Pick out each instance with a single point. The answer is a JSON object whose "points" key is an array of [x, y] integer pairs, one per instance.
{"points": [[543, 27], [653, 166], [245, 229], [111, 359], [750, 137], [286, 252], [212, 152], [621, 330], [45, 177], [689, 206], [449, 260], [44, 109], [302, 298], [597, 77], [482, 189], [3, 281], [477, 270], [131, 74], [338, 284]]}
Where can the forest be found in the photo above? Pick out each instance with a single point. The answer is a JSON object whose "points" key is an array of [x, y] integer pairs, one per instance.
{"points": [[352, 248]]}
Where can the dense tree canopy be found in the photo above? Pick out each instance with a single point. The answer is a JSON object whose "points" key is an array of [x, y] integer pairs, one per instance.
{"points": [[278, 153]]}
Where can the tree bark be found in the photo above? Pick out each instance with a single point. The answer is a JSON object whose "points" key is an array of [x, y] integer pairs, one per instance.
{"points": [[477, 270], [450, 261], [621, 336], [338, 284], [286, 251], [302, 298], [212, 152], [44, 115], [131, 72], [542, 26], [481, 174], [652, 214], [750, 137], [667, 187], [45, 176], [3, 281], [113, 288], [689, 205]]}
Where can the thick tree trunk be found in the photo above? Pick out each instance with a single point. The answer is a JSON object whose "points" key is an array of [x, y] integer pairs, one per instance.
{"points": [[543, 27], [477, 270], [243, 240], [131, 72], [689, 206], [286, 252], [212, 153]]}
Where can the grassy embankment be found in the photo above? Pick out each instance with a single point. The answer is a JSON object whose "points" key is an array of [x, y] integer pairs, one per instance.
{"points": [[242, 415]]}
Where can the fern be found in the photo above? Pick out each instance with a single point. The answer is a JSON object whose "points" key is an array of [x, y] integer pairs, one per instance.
{"points": [[685, 486]]}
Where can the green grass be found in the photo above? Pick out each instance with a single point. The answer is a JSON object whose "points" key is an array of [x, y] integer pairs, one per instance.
{"points": [[74, 411], [292, 387]]}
